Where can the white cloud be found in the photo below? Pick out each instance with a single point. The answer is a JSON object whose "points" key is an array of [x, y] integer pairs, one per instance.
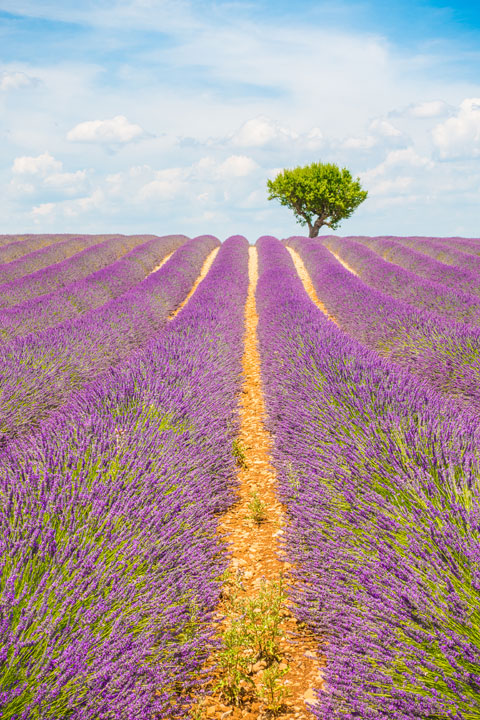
{"points": [[459, 136], [236, 166], [260, 131], [82, 205], [395, 160], [255, 199], [16, 80], [40, 165], [314, 139], [71, 183], [253, 93], [21, 188], [430, 109], [43, 173], [381, 133], [263, 132], [360, 143], [385, 129], [397, 185], [166, 185], [43, 210], [397, 173], [203, 179], [115, 130], [272, 173], [91, 202]]}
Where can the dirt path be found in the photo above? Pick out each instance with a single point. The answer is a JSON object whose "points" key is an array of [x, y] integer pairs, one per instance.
{"points": [[307, 283], [342, 262], [202, 275], [157, 267], [254, 547]]}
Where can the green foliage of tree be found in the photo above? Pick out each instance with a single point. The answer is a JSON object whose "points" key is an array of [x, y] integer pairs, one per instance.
{"points": [[319, 194]]}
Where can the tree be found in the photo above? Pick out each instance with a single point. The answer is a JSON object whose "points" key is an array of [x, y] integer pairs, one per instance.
{"points": [[319, 194]]}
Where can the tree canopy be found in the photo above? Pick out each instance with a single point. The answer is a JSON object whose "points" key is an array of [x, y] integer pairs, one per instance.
{"points": [[319, 194]]}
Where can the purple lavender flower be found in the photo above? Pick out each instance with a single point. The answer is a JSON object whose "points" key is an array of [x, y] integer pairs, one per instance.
{"points": [[444, 354], [80, 294], [108, 523], [380, 478], [39, 372]]}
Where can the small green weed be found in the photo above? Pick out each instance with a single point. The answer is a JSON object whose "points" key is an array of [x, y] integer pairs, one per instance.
{"points": [[235, 663], [261, 619], [239, 454], [257, 509], [271, 689], [252, 634]]}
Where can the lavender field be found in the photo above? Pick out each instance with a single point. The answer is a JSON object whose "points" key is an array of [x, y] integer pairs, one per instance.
{"points": [[122, 365]]}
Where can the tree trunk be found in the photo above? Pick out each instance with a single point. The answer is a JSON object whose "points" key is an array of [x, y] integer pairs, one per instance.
{"points": [[314, 229]]}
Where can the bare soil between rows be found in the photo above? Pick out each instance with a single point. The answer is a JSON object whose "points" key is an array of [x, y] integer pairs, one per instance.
{"points": [[255, 548]]}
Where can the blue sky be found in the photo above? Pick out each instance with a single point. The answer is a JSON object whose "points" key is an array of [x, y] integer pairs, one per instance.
{"points": [[169, 115]]}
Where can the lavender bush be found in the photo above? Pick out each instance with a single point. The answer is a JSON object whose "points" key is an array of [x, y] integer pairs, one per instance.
{"points": [[467, 245], [68, 270], [108, 538], [403, 284], [43, 257], [455, 278], [380, 478], [444, 252], [13, 247], [39, 372], [444, 354], [85, 294]]}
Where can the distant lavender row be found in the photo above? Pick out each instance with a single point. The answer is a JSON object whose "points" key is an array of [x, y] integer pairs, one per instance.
{"points": [[38, 373], [444, 252], [71, 268], [49, 255], [403, 284], [93, 291], [13, 247], [467, 245], [381, 481], [108, 521], [444, 354], [455, 278]]}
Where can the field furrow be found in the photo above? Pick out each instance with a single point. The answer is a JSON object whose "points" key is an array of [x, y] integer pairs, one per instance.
{"points": [[88, 293], [69, 270], [13, 247], [239, 482], [269, 646], [39, 372], [109, 516], [444, 355], [39, 259], [444, 253], [455, 278], [380, 479], [403, 284]]}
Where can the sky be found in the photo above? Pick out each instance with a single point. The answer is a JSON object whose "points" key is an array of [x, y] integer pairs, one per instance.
{"points": [[169, 116]]}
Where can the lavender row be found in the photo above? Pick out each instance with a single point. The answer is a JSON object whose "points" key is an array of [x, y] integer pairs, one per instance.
{"points": [[403, 284], [454, 278], [39, 372], [71, 268], [43, 257], [467, 245], [109, 539], [445, 355], [444, 252], [13, 247], [380, 479], [89, 293]]}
